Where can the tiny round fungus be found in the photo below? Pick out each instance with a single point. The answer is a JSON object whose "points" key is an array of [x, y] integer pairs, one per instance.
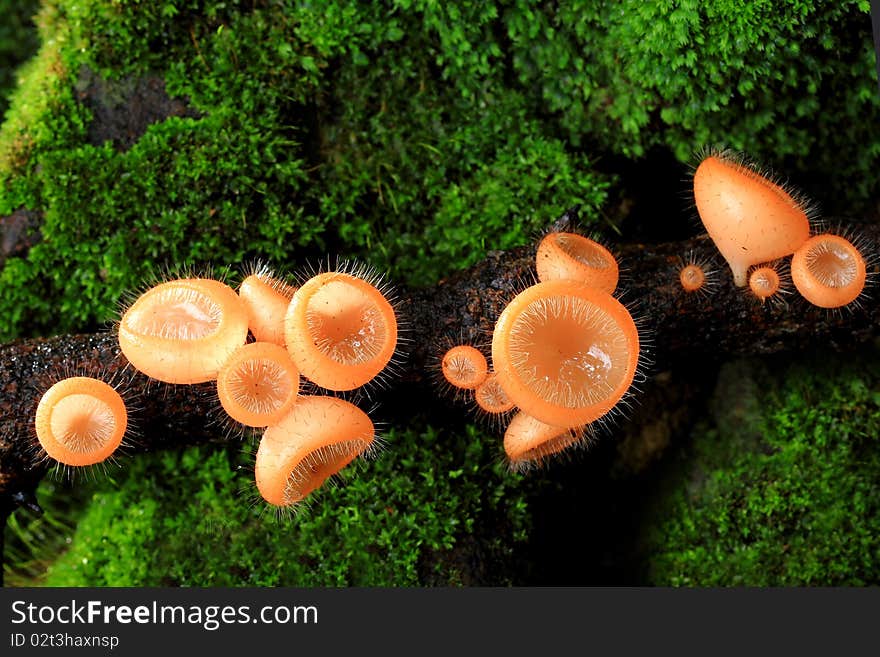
{"points": [[80, 421], [340, 330], [750, 218], [259, 384], [491, 398], [829, 271], [768, 282], [182, 331], [565, 352], [464, 367], [692, 278], [319, 437], [573, 256]]}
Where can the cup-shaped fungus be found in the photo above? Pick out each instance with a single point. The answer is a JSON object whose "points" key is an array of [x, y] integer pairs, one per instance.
{"points": [[529, 441], [573, 256], [319, 437], [750, 218], [464, 367], [183, 331], [340, 330], [266, 300], [692, 278], [491, 398], [258, 384], [828, 271], [766, 282], [565, 352], [80, 421]]}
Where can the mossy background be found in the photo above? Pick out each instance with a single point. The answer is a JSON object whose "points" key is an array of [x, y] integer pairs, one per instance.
{"points": [[418, 136]]}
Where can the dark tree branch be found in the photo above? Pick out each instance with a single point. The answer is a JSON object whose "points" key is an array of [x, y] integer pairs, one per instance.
{"points": [[465, 306]]}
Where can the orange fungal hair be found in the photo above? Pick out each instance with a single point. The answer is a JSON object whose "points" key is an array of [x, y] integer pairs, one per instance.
{"points": [[464, 367], [182, 331], [80, 421], [340, 330], [829, 271], [266, 299], [319, 437], [572, 256], [750, 218], [258, 384], [565, 352]]}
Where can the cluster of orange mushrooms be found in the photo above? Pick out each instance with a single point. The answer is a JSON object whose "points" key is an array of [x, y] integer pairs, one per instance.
{"points": [[757, 223], [564, 353], [338, 330]]}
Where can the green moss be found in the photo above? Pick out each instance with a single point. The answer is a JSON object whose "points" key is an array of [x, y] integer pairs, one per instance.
{"points": [[786, 498], [18, 41], [313, 133], [398, 521], [792, 82]]}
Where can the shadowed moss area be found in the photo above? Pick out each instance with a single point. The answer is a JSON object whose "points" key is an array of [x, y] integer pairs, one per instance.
{"points": [[431, 509], [18, 41], [782, 489]]}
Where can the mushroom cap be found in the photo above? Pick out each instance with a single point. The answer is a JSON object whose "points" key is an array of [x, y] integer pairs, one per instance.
{"points": [[80, 421], [491, 397], [340, 330], [258, 384], [530, 440], [750, 218], [572, 256], [764, 282], [319, 437], [464, 367], [565, 352], [182, 331], [266, 300], [829, 271], [692, 277]]}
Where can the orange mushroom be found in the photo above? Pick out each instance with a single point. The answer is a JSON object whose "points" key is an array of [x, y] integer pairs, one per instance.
{"points": [[829, 271], [696, 275], [572, 256], [80, 421], [491, 398], [692, 278], [258, 384], [528, 441], [266, 299], [341, 330], [565, 352], [464, 367], [319, 437], [768, 282], [750, 218], [183, 331]]}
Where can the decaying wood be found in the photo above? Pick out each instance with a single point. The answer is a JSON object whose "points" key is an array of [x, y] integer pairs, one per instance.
{"points": [[677, 326]]}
